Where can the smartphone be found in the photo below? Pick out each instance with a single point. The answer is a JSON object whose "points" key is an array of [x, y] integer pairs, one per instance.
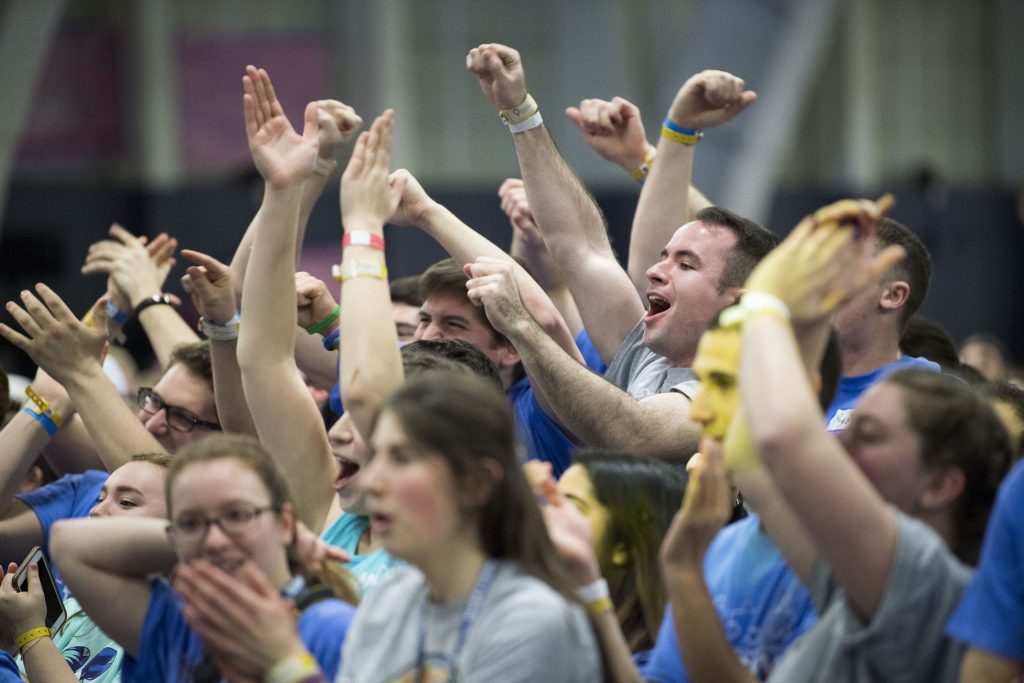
{"points": [[55, 613]]}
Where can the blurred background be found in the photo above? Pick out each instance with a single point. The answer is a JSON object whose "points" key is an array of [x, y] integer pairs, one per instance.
{"points": [[130, 111]]}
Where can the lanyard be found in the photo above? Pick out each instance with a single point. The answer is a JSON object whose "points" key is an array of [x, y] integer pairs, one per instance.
{"points": [[469, 615]]}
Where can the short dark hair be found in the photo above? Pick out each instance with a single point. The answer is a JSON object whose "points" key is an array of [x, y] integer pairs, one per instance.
{"points": [[445, 276], [753, 241], [196, 359], [448, 355], [406, 290], [926, 338], [915, 268]]}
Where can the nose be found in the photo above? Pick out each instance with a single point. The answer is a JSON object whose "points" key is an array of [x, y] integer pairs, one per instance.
{"points": [[431, 331], [214, 539], [700, 410], [156, 423], [656, 272], [101, 509]]}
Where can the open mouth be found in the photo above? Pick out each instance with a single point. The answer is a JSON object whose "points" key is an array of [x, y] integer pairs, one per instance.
{"points": [[348, 470], [656, 305]]}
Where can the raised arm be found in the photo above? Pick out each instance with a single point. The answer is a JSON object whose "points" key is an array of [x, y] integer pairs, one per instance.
{"points": [[140, 278], [528, 245], [465, 244], [595, 410], [106, 563], [371, 364], [208, 282], [823, 262], [70, 352], [570, 220], [706, 652], [285, 415], [707, 99]]}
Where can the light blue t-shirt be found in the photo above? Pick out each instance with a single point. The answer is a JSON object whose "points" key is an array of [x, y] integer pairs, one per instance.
{"points": [[991, 613], [761, 603], [369, 569], [91, 654]]}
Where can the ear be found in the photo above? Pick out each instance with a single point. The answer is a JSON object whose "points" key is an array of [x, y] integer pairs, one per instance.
{"points": [[733, 295], [510, 356], [895, 295], [945, 484], [484, 480], [286, 523]]}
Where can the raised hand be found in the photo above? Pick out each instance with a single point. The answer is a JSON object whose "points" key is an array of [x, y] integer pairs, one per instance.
{"points": [[312, 299], [20, 612], [282, 156], [414, 200], [827, 259], [706, 508], [208, 282], [312, 552], [513, 202], [612, 129], [492, 284], [136, 268], [337, 123], [709, 99], [54, 338], [500, 72], [368, 198], [569, 530]]}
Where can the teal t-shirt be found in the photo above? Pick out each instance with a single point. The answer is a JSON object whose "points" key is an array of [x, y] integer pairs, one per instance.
{"points": [[369, 569], [91, 653]]}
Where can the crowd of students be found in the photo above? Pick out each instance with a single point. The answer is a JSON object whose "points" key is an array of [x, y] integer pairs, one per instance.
{"points": [[723, 461]]}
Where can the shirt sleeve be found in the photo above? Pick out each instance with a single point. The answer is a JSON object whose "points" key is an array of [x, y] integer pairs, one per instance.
{"points": [[991, 614], [73, 495]]}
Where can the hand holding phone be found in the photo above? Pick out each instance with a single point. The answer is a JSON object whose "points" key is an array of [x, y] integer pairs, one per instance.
{"points": [[41, 604]]}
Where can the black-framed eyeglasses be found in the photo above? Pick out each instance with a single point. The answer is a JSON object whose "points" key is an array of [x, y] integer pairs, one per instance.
{"points": [[234, 521], [178, 418]]}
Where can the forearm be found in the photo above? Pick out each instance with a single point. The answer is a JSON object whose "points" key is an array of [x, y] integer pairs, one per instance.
{"points": [[548, 276], [115, 431], [232, 410], [608, 417], [166, 330], [319, 365], [71, 450], [21, 441], [465, 244], [620, 665], [132, 548], [707, 654], [44, 663], [371, 363], [662, 208], [268, 300]]}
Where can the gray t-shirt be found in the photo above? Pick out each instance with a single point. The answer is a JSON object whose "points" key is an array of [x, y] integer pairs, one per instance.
{"points": [[524, 632], [905, 640], [641, 372]]}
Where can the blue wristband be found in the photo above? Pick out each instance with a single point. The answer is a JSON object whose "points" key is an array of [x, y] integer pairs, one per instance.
{"points": [[116, 314], [671, 125], [333, 340], [49, 425]]}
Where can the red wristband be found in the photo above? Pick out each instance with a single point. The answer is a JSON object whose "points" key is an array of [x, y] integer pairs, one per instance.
{"points": [[362, 238]]}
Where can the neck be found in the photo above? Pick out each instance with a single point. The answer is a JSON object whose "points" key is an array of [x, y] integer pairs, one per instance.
{"points": [[941, 522], [280, 577], [452, 574], [869, 351]]}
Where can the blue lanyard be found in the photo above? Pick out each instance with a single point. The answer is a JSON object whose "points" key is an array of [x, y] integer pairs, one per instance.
{"points": [[484, 580]]}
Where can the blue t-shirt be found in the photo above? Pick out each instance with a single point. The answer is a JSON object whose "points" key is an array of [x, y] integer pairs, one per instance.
{"points": [[590, 355], [991, 612], [70, 497], [537, 432], [8, 671], [850, 388], [169, 650], [369, 569], [762, 605]]}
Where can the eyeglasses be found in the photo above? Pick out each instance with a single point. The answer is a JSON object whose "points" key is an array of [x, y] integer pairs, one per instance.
{"points": [[178, 418], [234, 521]]}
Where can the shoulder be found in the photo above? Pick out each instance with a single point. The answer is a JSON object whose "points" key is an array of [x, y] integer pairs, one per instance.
{"points": [[517, 596]]}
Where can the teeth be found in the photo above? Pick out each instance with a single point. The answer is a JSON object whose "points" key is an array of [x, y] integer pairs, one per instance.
{"points": [[655, 299]]}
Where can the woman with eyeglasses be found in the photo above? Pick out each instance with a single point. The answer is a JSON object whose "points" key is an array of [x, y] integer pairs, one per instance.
{"points": [[232, 541]]}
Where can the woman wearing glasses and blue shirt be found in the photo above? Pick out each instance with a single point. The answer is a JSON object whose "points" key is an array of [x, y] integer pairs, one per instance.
{"points": [[232, 542]]}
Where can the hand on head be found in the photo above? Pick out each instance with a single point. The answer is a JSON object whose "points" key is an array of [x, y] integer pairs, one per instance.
{"points": [[492, 284]]}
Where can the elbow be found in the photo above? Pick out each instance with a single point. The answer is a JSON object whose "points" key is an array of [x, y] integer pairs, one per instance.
{"points": [[62, 535]]}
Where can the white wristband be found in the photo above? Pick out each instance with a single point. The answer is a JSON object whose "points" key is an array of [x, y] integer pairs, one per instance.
{"points": [[529, 123], [324, 166], [593, 592], [220, 331]]}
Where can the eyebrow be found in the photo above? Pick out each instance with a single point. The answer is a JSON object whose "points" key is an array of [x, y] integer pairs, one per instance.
{"points": [[124, 488], [683, 253]]}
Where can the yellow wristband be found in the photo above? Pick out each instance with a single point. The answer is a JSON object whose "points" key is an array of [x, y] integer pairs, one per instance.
{"points": [[681, 138], [35, 634], [292, 669], [360, 268], [640, 172], [600, 606], [525, 110], [43, 404]]}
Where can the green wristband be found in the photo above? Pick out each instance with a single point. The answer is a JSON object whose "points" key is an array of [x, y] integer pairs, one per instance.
{"points": [[317, 328]]}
